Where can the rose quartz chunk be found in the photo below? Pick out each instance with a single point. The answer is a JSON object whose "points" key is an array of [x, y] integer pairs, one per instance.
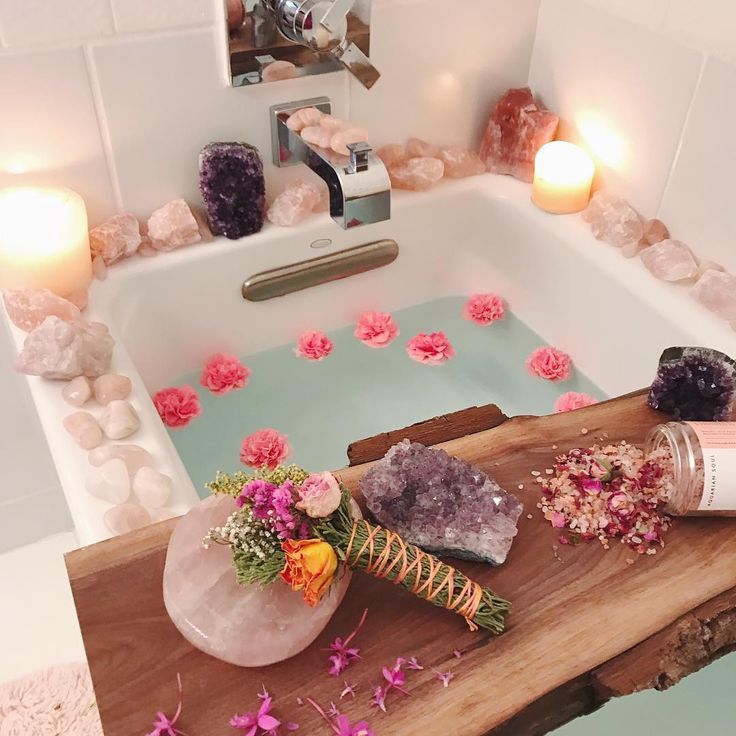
{"points": [[83, 428], [206, 603], [110, 482], [117, 238], [27, 308], [317, 136], [65, 350], [353, 134], [655, 231], [111, 386], [99, 269], [172, 226], [331, 123], [716, 291], [126, 518], [461, 162], [392, 154], [119, 420], [704, 266], [670, 260], [304, 118], [79, 298], [134, 456], [417, 148], [278, 70], [417, 174], [517, 129], [152, 489], [613, 220], [77, 392], [295, 203]]}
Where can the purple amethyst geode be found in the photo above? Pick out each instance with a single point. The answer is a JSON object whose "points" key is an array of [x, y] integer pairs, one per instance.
{"points": [[694, 384], [441, 504], [233, 188]]}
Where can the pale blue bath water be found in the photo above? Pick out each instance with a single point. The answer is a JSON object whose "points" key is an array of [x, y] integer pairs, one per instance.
{"points": [[358, 392]]}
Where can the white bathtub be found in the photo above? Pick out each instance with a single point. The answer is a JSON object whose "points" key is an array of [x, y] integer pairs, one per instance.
{"points": [[169, 313]]}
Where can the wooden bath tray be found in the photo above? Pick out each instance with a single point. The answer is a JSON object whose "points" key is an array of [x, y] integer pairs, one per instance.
{"points": [[583, 629]]}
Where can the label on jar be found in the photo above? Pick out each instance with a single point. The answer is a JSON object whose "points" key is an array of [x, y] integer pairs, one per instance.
{"points": [[718, 444]]}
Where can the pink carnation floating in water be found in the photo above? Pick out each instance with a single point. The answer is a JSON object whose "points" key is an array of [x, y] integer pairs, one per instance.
{"points": [[224, 373], [550, 363], [376, 329], [314, 345], [483, 309], [177, 406], [432, 349], [264, 447], [573, 400]]}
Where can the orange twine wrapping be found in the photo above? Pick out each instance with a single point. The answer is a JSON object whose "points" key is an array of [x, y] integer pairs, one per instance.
{"points": [[385, 564]]}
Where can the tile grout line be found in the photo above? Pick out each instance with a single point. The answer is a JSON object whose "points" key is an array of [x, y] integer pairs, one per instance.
{"points": [[683, 130], [104, 130], [114, 16]]}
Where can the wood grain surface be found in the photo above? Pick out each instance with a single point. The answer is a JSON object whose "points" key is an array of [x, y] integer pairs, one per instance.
{"points": [[569, 617]]}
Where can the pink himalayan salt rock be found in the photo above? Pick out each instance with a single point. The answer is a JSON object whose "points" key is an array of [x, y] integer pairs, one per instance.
{"points": [[317, 136], [278, 70], [134, 456], [83, 428], [117, 238], [353, 134], [613, 220], [716, 291], [417, 148], [295, 203], [28, 308], [392, 154], [126, 518], [99, 269], [461, 162], [517, 129], [331, 123], [655, 231], [110, 482], [147, 250], [172, 226], [670, 260], [119, 420], [206, 603], [304, 118], [152, 489], [111, 386], [65, 350], [417, 174], [77, 392]]}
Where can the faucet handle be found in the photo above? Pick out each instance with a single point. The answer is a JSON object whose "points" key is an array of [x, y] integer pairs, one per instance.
{"points": [[359, 153], [336, 13]]}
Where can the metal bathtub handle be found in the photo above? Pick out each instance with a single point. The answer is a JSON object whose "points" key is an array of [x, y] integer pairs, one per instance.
{"points": [[303, 275]]}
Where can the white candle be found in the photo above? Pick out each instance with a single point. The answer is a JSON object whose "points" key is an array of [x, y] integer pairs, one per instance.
{"points": [[43, 240], [563, 174]]}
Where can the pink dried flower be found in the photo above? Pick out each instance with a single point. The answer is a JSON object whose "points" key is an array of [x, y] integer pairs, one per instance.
{"points": [[333, 711], [263, 694], [549, 363], [265, 447], [395, 678], [430, 349], [558, 520], [376, 329], [444, 678], [224, 373], [457, 653], [177, 406], [412, 664], [165, 726], [378, 700], [274, 505], [573, 400], [344, 653], [483, 309], [249, 723], [347, 690], [343, 727], [314, 345], [319, 495]]}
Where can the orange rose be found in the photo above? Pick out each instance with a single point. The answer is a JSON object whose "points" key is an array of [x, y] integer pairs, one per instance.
{"points": [[310, 566]]}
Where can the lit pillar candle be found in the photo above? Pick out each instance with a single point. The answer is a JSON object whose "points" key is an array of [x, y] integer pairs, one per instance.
{"points": [[43, 240], [563, 174]]}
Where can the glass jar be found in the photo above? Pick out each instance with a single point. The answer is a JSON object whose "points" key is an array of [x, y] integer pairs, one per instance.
{"points": [[703, 456]]}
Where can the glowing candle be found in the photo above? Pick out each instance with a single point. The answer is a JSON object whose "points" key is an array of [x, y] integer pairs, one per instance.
{"points": [[43, 240], [563, 173]]}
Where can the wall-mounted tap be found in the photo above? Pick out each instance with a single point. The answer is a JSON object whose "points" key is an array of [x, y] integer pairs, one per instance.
{"points": [[359, 184], [323, 35]]}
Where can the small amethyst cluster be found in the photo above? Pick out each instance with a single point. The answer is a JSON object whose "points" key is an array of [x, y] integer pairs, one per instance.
{"points": [[274, 504], [694, 384], [441, 503], [233, 188]]}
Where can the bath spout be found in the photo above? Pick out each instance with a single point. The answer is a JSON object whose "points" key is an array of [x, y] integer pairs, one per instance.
{"points": [[359, 185]]}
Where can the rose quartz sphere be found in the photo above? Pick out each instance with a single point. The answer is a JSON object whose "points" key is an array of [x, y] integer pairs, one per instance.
{"points": [[249, 626]]}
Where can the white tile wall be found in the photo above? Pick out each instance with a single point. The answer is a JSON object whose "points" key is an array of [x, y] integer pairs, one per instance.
{"points": [[146, 15], [620, 88]]}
